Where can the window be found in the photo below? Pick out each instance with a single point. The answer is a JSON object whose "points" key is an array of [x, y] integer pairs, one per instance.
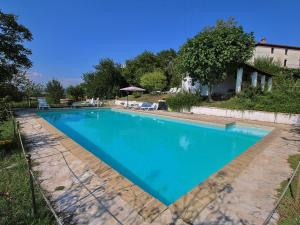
{"points": [[286, 51], [285, 61], [272, 50]]}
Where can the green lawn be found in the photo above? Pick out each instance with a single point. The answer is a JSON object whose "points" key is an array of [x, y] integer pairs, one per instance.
{"points": [[288, 209], [34, 104], [15, 197], [261, 103], [24, 104], [146, 98]]}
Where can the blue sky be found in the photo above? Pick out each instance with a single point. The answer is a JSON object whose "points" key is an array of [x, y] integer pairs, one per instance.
{"points": [[70, 36]]}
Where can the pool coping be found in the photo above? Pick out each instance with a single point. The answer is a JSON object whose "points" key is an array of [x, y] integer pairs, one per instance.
{"points": [[195, 200]]}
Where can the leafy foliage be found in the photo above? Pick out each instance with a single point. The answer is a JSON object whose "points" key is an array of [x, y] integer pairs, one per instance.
{"points": [[105, 81], [137, 94], [209, 55], [148, 62], [13, 55], [75, 92], [154, 81], [15, 195], [166, 60], [135, 68], [183, 101], [285, 97], [55, 91], [268, 65], [3, 107], [289, 209]]}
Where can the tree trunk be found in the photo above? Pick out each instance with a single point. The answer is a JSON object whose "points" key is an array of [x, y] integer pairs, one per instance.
{"points": [[209, 88]]}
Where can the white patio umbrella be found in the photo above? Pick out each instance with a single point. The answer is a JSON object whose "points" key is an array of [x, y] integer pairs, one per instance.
{"points": [[132, 89]]}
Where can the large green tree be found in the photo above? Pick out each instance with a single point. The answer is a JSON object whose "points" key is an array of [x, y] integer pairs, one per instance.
{"points": [[55, 91], [148, 62], [13, 55], [154, 81], [166, 61], [214, 51], [141, 64], [105, 81]]}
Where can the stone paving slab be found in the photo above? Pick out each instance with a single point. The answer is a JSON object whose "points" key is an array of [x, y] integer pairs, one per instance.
{"points": [[243, 192]]}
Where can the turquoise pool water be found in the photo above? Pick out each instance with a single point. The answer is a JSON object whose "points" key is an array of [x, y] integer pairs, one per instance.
{"points": [[165, 157]]}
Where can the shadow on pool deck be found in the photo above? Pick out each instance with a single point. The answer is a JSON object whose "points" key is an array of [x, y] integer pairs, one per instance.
{"points": [[94, 193]]}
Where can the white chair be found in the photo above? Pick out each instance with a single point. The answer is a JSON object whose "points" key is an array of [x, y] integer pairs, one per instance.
{"points": [[42, 103], [170, 91], [178, 90], [92, 101], [174, 90]]}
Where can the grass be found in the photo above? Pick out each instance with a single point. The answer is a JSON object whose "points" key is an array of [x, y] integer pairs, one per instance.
{"points": [[264, 103], [34, 104], [24, 104], [146, 97], [289, 209], [15, 196]]}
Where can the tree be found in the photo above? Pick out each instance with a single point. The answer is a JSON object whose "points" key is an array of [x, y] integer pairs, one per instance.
{"points": [[32, 89], [55, 91], [75, 92], [141, 64], [13, 55], [154, 81], [213, 52], [105, 81], [166, 60]]}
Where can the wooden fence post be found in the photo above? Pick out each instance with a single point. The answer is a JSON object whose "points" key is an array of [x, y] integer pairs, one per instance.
{"points": [[28, 157], [298, 188], [17, 131], [14, 125]]}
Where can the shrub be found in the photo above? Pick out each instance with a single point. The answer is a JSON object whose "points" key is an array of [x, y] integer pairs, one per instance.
{"points": [[183, 101], [154, 81], [75, 92], [137, 94], [250, 92]]}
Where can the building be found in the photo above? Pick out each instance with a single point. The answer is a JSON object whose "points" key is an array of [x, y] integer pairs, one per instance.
{"points": [[288, 56], [245, 76]]}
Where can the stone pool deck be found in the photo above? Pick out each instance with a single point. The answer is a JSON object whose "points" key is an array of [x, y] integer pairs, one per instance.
{"points": [[84, 190]]}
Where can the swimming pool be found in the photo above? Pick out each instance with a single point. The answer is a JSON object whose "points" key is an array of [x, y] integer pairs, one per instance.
{"points": [[165, 157]]}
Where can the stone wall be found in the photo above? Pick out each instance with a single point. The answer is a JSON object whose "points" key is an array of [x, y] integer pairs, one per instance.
{"points": [[283, 118]]}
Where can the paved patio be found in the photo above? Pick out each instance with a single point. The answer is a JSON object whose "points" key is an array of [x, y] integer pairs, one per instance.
{"points": [[87, 191]]}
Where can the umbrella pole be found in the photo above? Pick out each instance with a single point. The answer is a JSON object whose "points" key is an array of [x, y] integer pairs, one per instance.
{"points": [[127, 100]]}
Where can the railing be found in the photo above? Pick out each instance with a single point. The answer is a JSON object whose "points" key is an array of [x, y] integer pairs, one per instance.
{"points": [[296, 196], [32, 178]]}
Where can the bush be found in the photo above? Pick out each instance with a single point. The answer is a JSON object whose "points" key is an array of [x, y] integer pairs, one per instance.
{"points": [[183, 101], [154, 81], [284, 98], [137, 94], [75, 92], [250, 92]]}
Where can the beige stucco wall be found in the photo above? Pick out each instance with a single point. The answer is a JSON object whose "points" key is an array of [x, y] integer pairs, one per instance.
{"points": [[292, 57]]}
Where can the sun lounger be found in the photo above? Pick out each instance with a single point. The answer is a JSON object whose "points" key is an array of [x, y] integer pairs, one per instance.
{"points": [[149, 106]]}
